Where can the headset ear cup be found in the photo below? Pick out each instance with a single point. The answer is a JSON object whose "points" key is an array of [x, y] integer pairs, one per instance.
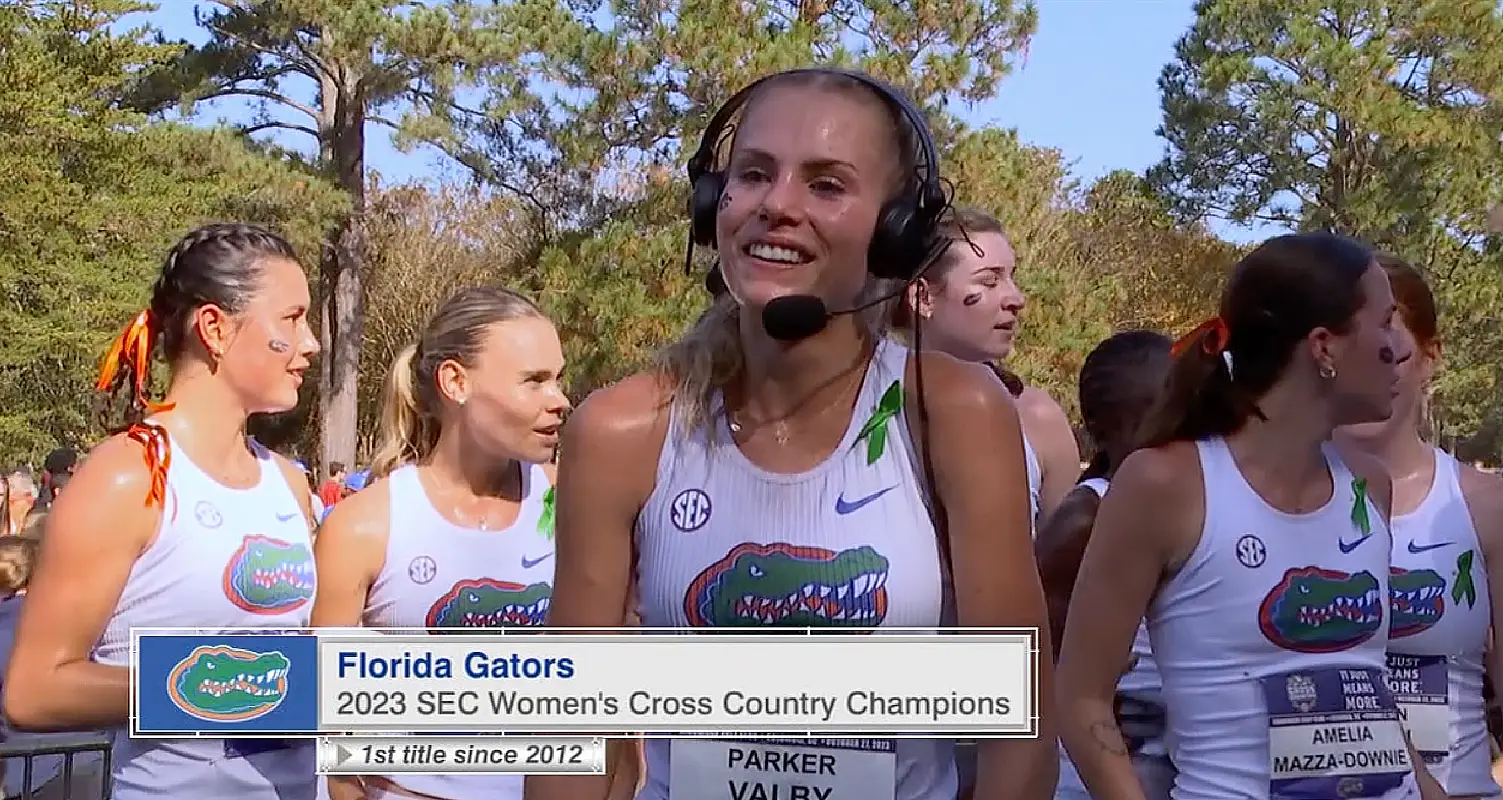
{"points": [[704, 205], [893, 253]]}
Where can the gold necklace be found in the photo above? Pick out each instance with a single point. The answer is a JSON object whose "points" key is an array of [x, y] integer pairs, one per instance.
{"points": [[779, 429]]}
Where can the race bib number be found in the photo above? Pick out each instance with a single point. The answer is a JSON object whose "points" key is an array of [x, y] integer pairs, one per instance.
{"points": [[1333, 732], [1422, 689], [245, 748], [782, 769]]}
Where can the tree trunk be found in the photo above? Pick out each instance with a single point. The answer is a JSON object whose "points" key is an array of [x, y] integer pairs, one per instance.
{"points": [[343, 266]]}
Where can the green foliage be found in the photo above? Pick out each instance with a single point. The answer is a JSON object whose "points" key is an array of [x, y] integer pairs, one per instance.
{"points": [[91, 197], [1376, 119]]}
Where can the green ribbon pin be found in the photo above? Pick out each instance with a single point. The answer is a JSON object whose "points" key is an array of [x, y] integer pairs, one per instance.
{"points": [[1463, 586], [545, 520], [875, 429], [1359, 506]]}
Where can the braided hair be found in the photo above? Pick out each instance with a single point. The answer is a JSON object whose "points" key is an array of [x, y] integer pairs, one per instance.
{"points": [[220, 265]]}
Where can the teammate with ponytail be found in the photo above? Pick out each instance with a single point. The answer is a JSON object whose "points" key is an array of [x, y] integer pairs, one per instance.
{"points": [[457, 532], [159, 525]]}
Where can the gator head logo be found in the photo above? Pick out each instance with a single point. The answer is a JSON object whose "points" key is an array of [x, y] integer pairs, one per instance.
{"points": [[227, 684], [1314, 610], [269, 576], [792, 586], [1417, 600], [486, 603]]}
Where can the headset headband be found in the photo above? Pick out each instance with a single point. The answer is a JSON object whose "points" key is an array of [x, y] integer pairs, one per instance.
{"points": [[704, 157]]}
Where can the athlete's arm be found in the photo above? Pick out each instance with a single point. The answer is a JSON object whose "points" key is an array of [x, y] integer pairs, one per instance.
{"points": [[1483, 493], [1380, 490], [95, 532], [980, 475], [607, 469], [1147, 522], [1059, 548], [349, 553], [1053, 441]]}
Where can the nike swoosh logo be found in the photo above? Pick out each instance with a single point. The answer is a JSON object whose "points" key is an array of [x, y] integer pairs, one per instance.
{"points": [[1417, 549], [1347, 548], [842, 507], [530, 563], [288, 517]]}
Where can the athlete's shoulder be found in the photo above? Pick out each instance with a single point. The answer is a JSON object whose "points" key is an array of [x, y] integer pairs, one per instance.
{"points": [[364, 515], [1036, 405], [1483, 493], [1159, 473], [625, 413], [952, 386], [297, 480], [115, 467]]}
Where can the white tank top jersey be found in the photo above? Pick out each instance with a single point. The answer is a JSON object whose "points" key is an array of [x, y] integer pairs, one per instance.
{"points": [[1035, 484], [1272, 644], [227, 559], [1439, 618], [440, 575], [847, 544]]}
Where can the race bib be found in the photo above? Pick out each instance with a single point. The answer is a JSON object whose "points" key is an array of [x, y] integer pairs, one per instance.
{"points": [[1421, 688], [245, 748], [782, 769], [1333, 732]]}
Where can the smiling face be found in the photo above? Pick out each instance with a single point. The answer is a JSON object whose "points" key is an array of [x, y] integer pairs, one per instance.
{"points": [[970, 310], [812, 164]]}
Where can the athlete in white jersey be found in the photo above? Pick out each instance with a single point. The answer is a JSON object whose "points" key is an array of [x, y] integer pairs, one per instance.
{"points": [[1118, 383], [759, 451], [1447, 535], [970, 306], [458, 531], [208, 530], [1259, 555]]}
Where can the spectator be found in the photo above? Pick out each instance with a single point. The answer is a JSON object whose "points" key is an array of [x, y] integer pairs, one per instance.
{"points": [[56, 470], [20, 497], [333, 487], [17, 555]]}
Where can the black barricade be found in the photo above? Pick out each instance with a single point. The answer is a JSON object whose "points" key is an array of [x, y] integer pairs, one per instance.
{"points": [[85, 769]]}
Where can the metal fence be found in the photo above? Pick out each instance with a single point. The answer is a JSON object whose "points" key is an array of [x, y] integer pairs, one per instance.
{"points": [[84, 773]]}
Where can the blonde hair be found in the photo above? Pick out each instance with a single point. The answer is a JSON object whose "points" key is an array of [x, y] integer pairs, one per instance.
{"points": [[411, 405], [17, 556], [708, 358]]}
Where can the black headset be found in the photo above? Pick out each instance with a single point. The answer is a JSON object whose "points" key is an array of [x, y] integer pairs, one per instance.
{"points": [[905, 237]]}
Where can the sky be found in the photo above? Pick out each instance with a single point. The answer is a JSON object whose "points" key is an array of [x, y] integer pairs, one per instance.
{"points": [[1088, 88]]}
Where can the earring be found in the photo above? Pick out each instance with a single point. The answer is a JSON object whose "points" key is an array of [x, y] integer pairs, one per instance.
{"points": [[1327, 371]]}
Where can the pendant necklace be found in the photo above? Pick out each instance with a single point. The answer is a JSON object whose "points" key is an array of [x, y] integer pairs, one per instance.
{"points": [[779, 429]]}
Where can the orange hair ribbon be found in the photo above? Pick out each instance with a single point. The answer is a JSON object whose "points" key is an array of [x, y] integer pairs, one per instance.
{"points": [[1215, 344], [134, 346]]}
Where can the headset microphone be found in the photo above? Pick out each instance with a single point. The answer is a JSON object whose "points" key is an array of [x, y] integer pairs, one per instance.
{"points": [[795, 317]]}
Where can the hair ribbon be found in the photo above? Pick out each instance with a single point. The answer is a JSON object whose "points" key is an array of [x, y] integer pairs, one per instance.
{"points": [[134, 346], [1213, 334]]}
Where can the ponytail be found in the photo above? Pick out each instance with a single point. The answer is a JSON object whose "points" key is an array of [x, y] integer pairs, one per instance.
{"points": [[1201, 398], [128, 361], [406, 435]]}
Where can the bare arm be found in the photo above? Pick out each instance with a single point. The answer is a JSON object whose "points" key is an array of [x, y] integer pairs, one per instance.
{"points": [[1053, 441], [349, 554], [1059, 549], [95, 532], [605, 473], [982, 479], [1153, 512]]}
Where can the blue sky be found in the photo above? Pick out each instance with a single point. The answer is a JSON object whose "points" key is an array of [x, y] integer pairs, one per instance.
{"points": [[1089, 88]]}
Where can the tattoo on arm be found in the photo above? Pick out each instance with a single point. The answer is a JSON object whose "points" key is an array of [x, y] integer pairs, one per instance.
{"points": [[1109, 737]]}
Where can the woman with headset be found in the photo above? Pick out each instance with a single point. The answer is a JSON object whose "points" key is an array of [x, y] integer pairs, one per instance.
{"points": [[773, 410]]}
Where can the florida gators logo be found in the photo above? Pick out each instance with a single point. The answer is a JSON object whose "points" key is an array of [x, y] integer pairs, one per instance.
{"points": [[1314, 610], [1416, 600], [226, 684], [487, 603], [789, 585], [269, 576]]}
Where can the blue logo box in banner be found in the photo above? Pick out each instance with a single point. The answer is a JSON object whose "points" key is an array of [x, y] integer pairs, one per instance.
{"points": [[226, 684]]}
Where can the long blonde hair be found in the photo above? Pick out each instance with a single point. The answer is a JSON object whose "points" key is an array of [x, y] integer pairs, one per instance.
{"points": [[411, 406], [709, 357]]}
